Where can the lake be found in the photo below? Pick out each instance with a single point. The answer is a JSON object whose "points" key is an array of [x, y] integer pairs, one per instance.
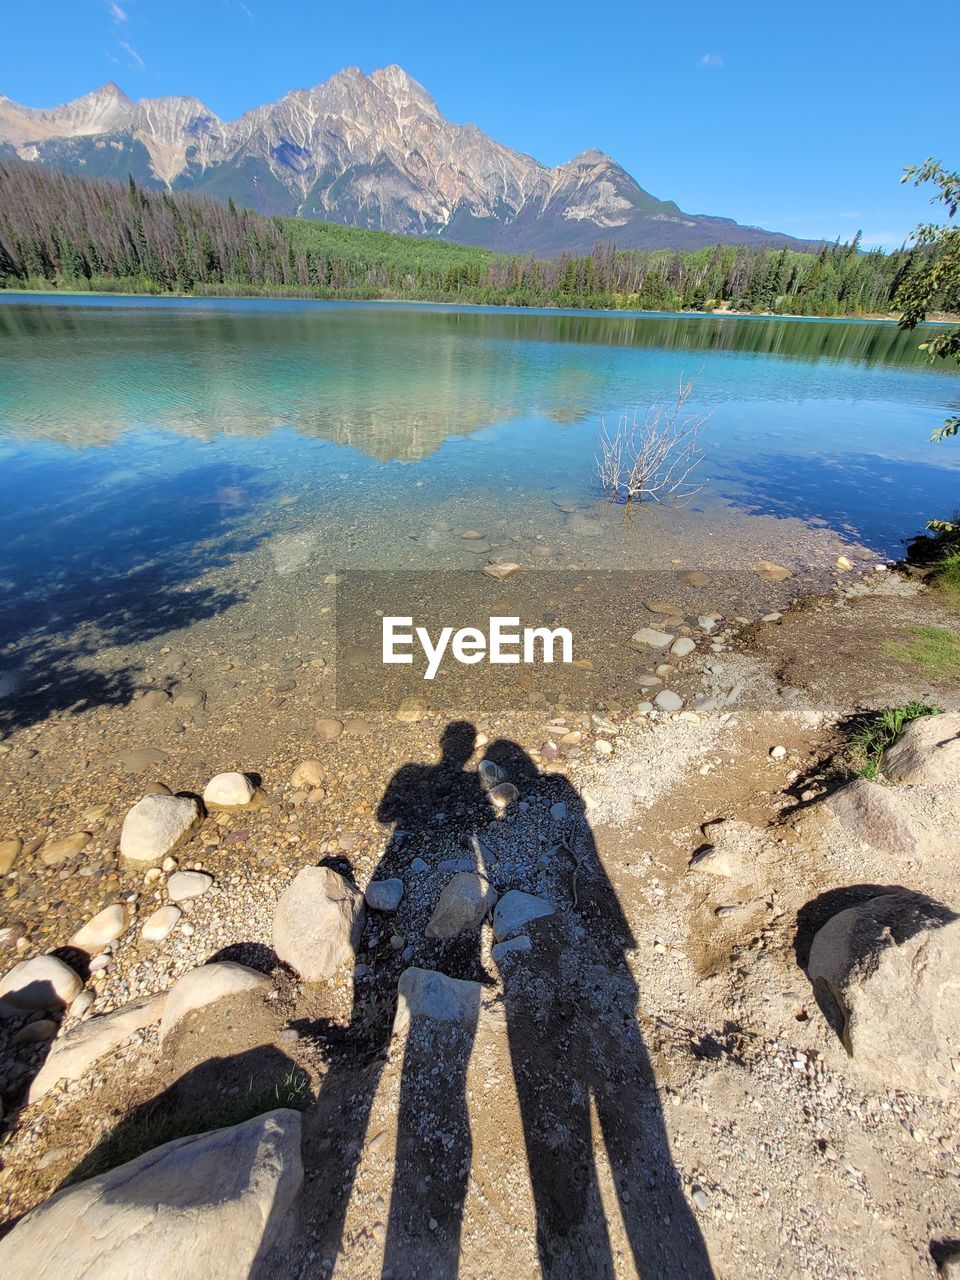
{"points": [[165, 462]]}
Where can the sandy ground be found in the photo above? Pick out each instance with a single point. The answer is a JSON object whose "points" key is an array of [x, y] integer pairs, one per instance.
{"points": [[651, 1090]]}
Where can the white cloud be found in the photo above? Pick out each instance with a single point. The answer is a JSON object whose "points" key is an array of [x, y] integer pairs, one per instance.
{"points": [[711, 60], [131, 52], [117, 14]]}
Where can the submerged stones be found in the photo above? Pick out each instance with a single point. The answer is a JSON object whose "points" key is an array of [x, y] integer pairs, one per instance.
{"points": [[104, 928], [184, 885], [56, 851], [318, 923], [156, 826], [501, 571], [771, 572]]}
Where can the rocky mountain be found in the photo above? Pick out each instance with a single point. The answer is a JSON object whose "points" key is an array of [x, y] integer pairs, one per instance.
{"points": [[369, 151]]}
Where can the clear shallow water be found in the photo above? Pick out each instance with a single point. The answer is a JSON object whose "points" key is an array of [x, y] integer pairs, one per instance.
{"points": [[155, 442]]}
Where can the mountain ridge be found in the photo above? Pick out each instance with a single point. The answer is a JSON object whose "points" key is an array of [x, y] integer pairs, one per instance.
{"points": [[371, 151]]}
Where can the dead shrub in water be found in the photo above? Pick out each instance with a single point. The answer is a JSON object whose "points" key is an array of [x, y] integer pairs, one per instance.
{"points": [[653, 457]]}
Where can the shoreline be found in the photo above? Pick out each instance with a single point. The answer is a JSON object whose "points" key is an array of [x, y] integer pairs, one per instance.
{"points": [[719, 313]]}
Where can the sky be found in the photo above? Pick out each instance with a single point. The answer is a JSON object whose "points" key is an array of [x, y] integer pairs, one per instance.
{"points": [[796, 118]]}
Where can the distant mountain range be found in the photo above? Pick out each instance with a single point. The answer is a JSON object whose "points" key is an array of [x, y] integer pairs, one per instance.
{"points": [[368, 151]]}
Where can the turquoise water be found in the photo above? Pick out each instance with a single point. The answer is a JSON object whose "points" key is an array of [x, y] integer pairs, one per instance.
{"points": [[160, 437]]}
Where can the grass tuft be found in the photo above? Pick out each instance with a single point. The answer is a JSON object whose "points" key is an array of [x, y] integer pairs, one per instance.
{"points": [[154, 1126], [934, 649], [880, 731], [947, 577]]}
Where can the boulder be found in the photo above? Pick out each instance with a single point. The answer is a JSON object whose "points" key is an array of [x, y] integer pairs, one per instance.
{"points": [[515, 911], [105, 927], [156, 826], [926, 751], [41, 983], [384, 895], [424, 993], [462, 906], [915, 822], [75, 1053], [229, 791], [887, 975], [318, 923], [206, 985], [210, 1205]]}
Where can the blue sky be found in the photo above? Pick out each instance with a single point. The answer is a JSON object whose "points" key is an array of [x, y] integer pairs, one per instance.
{"points": [[799, 119]]}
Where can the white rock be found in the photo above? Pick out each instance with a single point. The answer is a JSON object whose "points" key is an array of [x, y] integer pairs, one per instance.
{"points": [[229, 791], [211, 1205], [683, 646], [490, 774], [156, 826], [75, 1053], [462, 905], [384, 895], [500, 950], [423, 993], [184, 885], [308, 773], [105, 927], [885, 973], [778, 753], [926, 751], [206, 985], [318, 923], [843, 563], [515, 911], [503, 795], [160, 923], [41, 983], [667, 700], [651, 639], [706, 623]]}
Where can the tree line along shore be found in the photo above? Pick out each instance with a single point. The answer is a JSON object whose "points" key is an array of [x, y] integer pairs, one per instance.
{"points": [[65, 232]]}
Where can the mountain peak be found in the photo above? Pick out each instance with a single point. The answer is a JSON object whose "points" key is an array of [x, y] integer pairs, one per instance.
{"points": [[369, 151]]}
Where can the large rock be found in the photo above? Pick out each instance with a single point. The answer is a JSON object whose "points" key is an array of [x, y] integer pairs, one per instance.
{"points": [[318, 923], [423, 993], [211, 1205], [927, 751], [887, 975], [207, 985], [156, 826], [75, 1053], [515, 911], [917, 822], [462, 905], [41, 983]]}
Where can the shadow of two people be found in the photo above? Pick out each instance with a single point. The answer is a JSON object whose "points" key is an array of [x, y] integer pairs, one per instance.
{"points": [[575, 1044]]}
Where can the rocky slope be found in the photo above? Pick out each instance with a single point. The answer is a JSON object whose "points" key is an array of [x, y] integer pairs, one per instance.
{"points": [[371, 151]]}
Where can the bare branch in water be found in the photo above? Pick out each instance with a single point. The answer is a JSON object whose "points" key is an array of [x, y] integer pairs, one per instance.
{"points": [[654, 457]]}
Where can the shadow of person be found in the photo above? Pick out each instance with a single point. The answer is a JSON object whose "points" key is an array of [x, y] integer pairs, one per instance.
{"points": [[435, 810], [579, 1060]]}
